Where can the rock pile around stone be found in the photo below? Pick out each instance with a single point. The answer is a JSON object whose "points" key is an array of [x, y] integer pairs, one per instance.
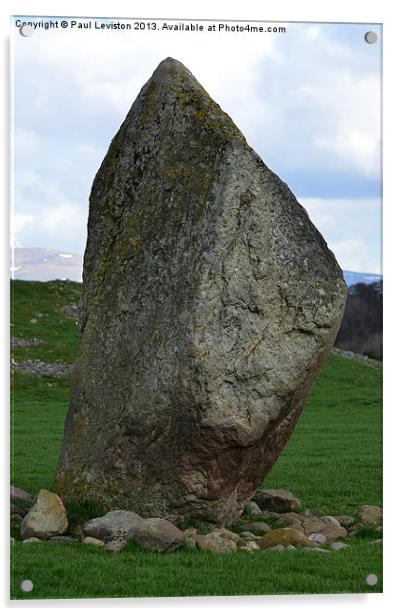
{"points": [[263, 529]]}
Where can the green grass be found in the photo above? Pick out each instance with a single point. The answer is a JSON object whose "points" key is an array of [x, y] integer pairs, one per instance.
{"points": [[332, 462], [78, 571], [56, 331]]}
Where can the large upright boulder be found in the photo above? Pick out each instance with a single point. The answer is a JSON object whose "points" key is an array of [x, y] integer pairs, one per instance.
{"points": [[210, 302]]}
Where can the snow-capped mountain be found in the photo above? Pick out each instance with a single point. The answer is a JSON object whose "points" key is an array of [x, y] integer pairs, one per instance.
{"points": [[45, 264]]}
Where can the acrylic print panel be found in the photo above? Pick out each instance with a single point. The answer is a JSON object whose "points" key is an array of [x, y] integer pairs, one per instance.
{"points": [[211, 387]]}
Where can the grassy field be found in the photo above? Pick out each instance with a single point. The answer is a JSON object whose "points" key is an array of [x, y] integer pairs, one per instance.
{"points": [[332, 463]]}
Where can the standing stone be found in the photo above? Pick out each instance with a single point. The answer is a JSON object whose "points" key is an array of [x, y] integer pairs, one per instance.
{"points": [[210, 302]]}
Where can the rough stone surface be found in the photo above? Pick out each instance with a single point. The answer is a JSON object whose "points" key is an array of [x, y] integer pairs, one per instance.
{"points": [[327, 525], [318, 538], [45, 518], [332, 533], [214, 542], [159, 535], [280, 501], [113, 526], [284, 536], [369, 514], [330, 520], [210, 302]]}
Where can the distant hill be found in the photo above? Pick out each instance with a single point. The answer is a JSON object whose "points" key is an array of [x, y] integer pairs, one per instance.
{"points": [[44, 264]]}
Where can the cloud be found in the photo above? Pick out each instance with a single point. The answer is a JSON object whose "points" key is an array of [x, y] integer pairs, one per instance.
{"points": [[307, 101], [62, 226], [352, 229]]}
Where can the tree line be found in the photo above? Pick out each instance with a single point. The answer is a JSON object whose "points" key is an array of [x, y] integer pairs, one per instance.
{"points": [[361, 327]]}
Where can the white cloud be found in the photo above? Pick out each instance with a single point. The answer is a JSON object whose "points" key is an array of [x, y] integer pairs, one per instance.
{"points": [[306, 101], [348, 127], [20, 220], [26, 143], [60, 226], [352, 229]]}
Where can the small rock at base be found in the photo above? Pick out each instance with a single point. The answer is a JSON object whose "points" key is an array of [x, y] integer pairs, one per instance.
{"points": [[330, 520], [339, 545], [159, 535], [291, 547], [32, 540], [213, 542], [190, 532], [280, 501], [332, 533], [114, 526], [284, 536], [92, 541], [318, 550], [318, 538], [45, 518], [277, 548], [369, 514]]}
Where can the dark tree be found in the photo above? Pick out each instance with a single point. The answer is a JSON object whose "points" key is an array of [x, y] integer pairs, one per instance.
{"points": [[361, 327]]}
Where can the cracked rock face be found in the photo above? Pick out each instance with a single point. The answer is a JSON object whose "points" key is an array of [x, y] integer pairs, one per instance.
{"points": [[210, 303]]}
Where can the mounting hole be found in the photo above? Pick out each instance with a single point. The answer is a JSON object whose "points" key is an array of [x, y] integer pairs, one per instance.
{"points": [[27, 585], [26, 30], [371, 579], [371, 37]]}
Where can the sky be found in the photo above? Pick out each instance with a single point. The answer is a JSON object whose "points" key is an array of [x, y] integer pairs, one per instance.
{"points": [[308, 101]]}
